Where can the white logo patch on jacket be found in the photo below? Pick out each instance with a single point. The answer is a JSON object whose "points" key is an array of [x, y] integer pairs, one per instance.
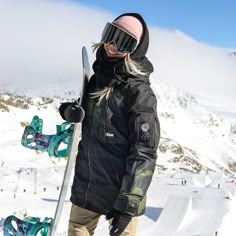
{"points": [[109, 135]]}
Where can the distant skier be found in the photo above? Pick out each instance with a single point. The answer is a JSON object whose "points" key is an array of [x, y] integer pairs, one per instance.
{"points": [[120, 132]]}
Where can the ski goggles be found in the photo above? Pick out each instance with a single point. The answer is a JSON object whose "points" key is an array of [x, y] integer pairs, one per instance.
{"points": [[125, 42]]}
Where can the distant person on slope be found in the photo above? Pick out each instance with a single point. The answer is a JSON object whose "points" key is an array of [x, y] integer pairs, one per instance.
{"points": [[120, 132]]}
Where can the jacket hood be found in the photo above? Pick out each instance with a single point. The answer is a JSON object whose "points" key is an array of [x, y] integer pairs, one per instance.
{"points": [[107, 68], [142, 48]]}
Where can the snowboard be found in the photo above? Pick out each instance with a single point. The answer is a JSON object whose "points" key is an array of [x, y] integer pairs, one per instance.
{"points": [[33, 138], [73, 148]]}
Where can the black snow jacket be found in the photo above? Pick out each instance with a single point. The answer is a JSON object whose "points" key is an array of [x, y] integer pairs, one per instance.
{"points": [[117, 153]]}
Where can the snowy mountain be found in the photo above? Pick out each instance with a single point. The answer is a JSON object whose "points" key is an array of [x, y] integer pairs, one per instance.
{"points": [[193, 189], [193, 138], [197, 145]]}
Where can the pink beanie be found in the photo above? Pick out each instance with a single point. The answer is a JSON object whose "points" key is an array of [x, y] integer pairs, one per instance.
{"points": [[131, 24]]}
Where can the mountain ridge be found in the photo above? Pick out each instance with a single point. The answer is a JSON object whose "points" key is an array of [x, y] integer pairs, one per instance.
{"points": [[188, 129]]}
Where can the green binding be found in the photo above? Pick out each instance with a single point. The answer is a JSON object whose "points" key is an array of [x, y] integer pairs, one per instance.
{"points": [[33, 138], [63, 135], [29, 226], [42, 227]]}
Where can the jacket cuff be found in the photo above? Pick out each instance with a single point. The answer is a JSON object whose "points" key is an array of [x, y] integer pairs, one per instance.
{"points": [[125, 206]]}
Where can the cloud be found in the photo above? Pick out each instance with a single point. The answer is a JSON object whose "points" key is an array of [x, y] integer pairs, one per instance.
{"points": [[201, 69], [41, 41]]}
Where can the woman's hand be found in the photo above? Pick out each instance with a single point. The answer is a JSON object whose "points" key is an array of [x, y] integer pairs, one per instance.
{"points": [[119, 221], [71, 112]]}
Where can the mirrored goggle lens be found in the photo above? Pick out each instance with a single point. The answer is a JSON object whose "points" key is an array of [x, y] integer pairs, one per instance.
{"points": [[125, 42]]}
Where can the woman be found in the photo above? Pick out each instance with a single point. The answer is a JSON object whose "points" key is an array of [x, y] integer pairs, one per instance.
{"points": [[120, 132]]}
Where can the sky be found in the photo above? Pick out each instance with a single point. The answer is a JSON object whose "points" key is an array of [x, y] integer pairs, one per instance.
{"points": [[41, 43], [209, 21]]}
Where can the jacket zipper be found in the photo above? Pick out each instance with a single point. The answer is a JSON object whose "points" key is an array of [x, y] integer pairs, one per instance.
{"points": [[89, 166], [105, 119], [89, 162]]}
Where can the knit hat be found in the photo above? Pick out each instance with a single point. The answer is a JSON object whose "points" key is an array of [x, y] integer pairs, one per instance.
{"points": [[130, 24]]}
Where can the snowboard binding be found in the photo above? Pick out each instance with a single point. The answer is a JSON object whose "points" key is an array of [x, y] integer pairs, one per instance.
{"points": [[29, 226], [33, 138]]}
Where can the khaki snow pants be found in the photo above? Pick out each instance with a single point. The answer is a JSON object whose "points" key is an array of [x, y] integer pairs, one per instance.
{"points": [[83, 222]]}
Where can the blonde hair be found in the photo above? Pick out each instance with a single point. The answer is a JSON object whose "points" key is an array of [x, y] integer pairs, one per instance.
{"points": [[132, 67], [104, 93]]}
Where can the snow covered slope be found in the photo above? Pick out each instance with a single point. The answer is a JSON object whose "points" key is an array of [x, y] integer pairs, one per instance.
{"points": [[197, 145]]}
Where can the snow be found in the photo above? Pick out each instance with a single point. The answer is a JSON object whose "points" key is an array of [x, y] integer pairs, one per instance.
{"points": [[30, 181], [198, 127], [198, 207], [30, 184]]}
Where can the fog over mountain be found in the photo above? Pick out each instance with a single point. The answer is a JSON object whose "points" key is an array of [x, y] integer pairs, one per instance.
{"points": [[41, 45]]}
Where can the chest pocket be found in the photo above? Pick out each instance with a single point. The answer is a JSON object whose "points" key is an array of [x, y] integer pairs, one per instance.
{"points": [[114, 125]]}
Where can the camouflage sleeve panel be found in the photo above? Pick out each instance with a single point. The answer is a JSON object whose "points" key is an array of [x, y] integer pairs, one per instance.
{"points": [[141, 161], [140, 169]]}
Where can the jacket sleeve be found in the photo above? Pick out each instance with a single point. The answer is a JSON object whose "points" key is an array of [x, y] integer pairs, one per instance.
{"points": [[144, 135]]}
